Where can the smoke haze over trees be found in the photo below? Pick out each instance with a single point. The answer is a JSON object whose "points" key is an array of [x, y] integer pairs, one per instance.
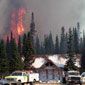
{"points": [[50, 14], [29, 44]]}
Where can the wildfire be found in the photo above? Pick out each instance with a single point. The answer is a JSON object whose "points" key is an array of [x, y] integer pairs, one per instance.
{"points": [[20, 27], [17, 25]]}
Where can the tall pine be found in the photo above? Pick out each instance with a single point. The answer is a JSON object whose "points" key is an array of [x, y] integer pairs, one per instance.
{"points": [[62, 41], [28, 51], [37, 46], [83, 55], [20, 46], [50, 44], [15, 62], [76, 41], [70, 64], [57, 45], [4, 65]]}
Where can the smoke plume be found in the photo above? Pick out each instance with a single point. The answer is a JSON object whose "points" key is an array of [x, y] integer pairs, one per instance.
{"points": [[50, 15]]}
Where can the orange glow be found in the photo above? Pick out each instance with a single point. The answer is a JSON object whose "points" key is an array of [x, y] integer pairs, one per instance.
{"points": [[17, 25], [20, 27]]}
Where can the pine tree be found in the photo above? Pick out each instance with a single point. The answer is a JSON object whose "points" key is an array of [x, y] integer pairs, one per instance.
{"points": [[15, 62], [3, 59], [80, 45], [70, 64], [8, 52], [32, 30], [57, 45], [46, 45], [66, 44], [20, 46], [62, 41], [83, 55], [29, 51], [37, 46], [75, 41], [50, 44], [32, 25], [24, 45], [78, 30]]}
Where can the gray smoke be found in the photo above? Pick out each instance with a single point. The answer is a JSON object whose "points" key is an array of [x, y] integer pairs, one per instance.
{"points": [[6, 9], [50, 15]]}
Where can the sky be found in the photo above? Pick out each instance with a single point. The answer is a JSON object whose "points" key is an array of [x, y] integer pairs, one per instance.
{"points": [[50, 15]]}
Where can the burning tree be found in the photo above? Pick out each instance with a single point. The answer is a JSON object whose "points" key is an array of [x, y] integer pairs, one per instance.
{"points": [[15, 18], [17, 25]]}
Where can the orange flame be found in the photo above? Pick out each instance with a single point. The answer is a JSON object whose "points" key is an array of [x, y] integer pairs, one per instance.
{"points": [[17, 25], [20, 27]]}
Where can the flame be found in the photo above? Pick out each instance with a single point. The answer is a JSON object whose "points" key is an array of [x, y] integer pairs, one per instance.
{"points": [[17, 25], [20, 27]]}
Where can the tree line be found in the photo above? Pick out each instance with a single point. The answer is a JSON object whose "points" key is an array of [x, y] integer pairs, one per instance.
{"points": [[19, 55], [60, 45]]}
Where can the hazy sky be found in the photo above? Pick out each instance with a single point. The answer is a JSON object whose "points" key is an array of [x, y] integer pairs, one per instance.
{"points": [[50, 15]]}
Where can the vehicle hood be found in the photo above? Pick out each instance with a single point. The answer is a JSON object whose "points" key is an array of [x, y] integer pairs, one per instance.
{"points": [[11, 76]]}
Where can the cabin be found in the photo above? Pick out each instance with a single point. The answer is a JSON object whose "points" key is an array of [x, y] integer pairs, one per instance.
{"points": [[50, 67]]}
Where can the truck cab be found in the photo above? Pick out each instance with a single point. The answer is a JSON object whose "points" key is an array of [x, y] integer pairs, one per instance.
{"points": [[17, 76], [73, 77]]}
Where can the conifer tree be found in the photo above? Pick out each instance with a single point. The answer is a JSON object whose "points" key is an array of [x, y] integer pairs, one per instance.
{"points": [[46, 44], [24, 45], [3, 59], [50, 44], [66, 43], [57, 45], [32, 30], [80, 45], [70, 64], [37, 46], [62, 41], [20, 46], [75, 41], [83, 55], [8, 52], [29, 51], [15, 62]]}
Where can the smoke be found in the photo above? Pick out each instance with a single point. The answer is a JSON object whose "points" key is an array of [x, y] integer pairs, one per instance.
{"points": [[6, 9], [3, 13], [50, 15]]}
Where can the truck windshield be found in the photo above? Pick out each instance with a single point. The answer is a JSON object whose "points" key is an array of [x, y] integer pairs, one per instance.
{"points": [[73, 73], [16, 74]]}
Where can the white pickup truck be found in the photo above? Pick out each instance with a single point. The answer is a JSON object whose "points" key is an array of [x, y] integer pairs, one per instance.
{"points": [[73, 77], [22, 77]]}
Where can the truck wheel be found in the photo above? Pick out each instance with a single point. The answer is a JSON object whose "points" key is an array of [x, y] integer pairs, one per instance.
{"points": [[34, 80], [19, 82], [22, 84], [80, 83]]}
